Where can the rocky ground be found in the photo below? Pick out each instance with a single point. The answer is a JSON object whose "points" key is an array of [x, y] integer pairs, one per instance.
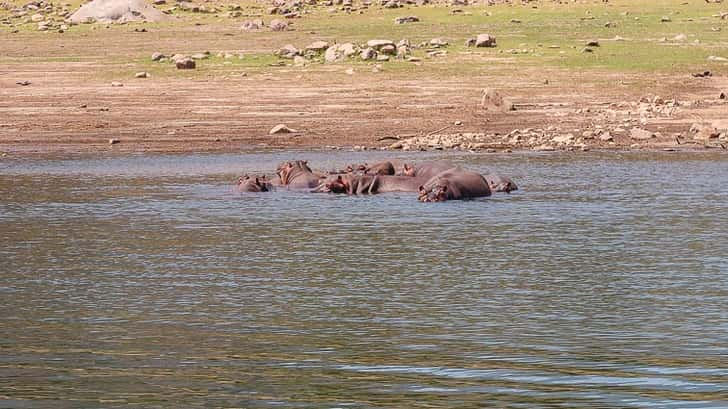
{"points": [[237, 81]]}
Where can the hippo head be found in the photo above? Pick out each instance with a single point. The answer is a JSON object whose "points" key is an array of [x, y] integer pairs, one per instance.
{"points": [[338, 185], [501, 184], [249, 184], [435, 193], [285, 169], [409, 170]]}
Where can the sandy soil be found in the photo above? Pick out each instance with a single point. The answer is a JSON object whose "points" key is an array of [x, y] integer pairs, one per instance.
{"points": [[69, 107]]}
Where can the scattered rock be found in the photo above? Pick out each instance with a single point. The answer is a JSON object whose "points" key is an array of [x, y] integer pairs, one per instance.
{"points": [[378, 44], [281, 129], [493, 100], [185, 63], [485, 40], [252, 25], [142, 74], [641, 134], [317, 46], [406, 19], [278, 25]]}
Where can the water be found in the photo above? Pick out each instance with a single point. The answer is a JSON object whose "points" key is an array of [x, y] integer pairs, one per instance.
{"points": [[143, 281]]}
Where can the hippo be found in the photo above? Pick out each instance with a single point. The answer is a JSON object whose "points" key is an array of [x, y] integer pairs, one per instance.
{"points": [[454, 184], [297, 175], [381, 168], [499, 183], [253, 184], [428, 169], [369, 184]]}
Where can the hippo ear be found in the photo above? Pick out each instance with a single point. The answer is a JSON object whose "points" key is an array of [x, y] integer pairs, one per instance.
{"points": [[444, 188], [422, 189], [339, 178], [257, 182]]}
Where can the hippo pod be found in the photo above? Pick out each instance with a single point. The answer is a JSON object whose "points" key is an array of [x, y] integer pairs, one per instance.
{"points": [[353, 184], [454, 184], [254, 184]]}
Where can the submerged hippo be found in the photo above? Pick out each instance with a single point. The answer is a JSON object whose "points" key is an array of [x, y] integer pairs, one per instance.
{"points": [[253, 184], [454, 184], [500, 183], [297, 175], [428, 169]]}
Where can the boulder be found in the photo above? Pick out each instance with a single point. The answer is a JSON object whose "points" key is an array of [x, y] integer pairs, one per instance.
{"points": [[388, 49], [317, 46], [278, 25], [485, 40], [338, 52], [438, 42], [252, 25], [406, 19], [287, 51], [377, 44], [368, 54], [640, 134], [493, 100], [117, 11], [281, 129], [157, 56], [185, 63]]}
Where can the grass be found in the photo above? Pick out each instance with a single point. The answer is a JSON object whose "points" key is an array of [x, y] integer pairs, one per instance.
{"points": [[553, 34]]}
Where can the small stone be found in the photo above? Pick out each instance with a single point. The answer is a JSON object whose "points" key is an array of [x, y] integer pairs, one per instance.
{"points": [[382, 58], [485, 40], [200, 56], [37, 18], [113, 141], [278, 25], [723, 95], [606, 137], [641, 134], [438, 42], [388, 49], [116, 84], [378, 44], [185, 63], [406, 19], [680, 37], [665, 19], [281, 129], [368, 54], [592, 43], [24, 83], [157, 56], [142, 74]]}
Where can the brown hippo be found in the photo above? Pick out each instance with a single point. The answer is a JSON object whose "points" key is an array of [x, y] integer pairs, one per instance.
{"points": [[297, 175], [381, 168], [369, 184], [253, 184], [428, 169], [454, 184], [499, 183]]}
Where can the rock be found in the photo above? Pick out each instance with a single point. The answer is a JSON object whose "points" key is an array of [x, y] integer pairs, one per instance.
{"points": [[116, 84], [299, 61], [515, 21], [23, 83], [414, 59], [606, 137], [680, 37], [349, 71], [252, 25], [200, 56], [564, 139], [704, 74], [368, 54], [157, 56], [378, 44], [185, 63], [640, 134], [287, 51], [281, 129], [493, 100], [117, 11], [382, 57], [485, 40], [338, 52], [142, 74], [317, 46], [391, 4], [704, 132], [723, 95], [719, 59], [278, 25], [113, 141], [37, 18], [388, 49], [438, 42], [665, 19], [406, 19], [348, 49], [592, 43]]}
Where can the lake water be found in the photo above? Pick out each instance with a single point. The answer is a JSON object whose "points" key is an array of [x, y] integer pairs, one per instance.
{"points": [[143, 281]]}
